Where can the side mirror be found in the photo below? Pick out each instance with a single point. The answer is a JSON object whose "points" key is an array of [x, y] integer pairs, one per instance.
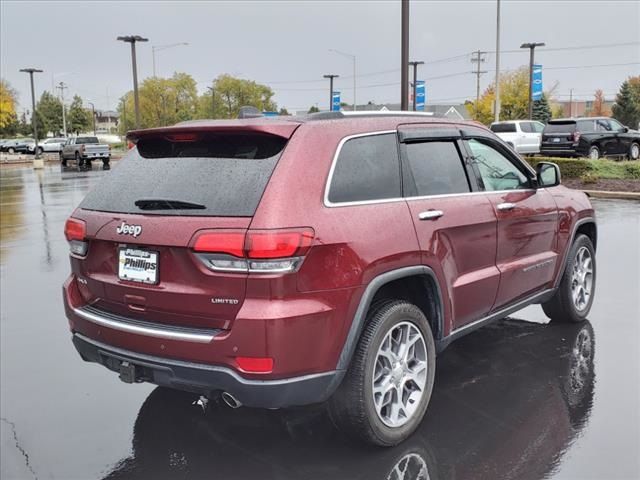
{"points": [[625, 129], [548, 174]]}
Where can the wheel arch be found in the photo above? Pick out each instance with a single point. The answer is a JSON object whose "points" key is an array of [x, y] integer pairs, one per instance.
{"points": [[586, 226], [404, 283]]}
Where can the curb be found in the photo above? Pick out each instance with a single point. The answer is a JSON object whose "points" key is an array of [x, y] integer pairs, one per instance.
{"points": [[613, 195]]}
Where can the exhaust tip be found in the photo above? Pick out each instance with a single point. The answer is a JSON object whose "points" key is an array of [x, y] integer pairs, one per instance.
{"points": [[230, 400]]}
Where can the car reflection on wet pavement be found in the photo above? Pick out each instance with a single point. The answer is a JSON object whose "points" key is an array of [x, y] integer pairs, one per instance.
{"points": [[514, 400]]}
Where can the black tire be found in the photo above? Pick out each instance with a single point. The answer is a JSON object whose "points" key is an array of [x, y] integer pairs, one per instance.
{"points": [[11, 150], [561, 307], [634, 151], [79, 161], [594, 152], [352, 406]]}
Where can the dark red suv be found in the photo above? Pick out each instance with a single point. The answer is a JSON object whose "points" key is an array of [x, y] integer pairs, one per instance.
{"points": [[283, 262]]}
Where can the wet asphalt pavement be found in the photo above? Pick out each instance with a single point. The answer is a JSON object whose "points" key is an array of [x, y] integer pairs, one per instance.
{"points": [[515, 400]]}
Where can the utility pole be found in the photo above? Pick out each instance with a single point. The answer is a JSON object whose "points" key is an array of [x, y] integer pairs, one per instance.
{"points": [[496, 105], [531, 46], [93, 111], [61, 86], [478, 58], [331, 77], [571, 103], [34, 115], [212, 89], [404, 56], [132, 39], [415, 81]]}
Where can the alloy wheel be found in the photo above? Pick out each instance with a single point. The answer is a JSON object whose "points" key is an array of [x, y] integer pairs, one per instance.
{"points": [[400, 374], [582, 279]]}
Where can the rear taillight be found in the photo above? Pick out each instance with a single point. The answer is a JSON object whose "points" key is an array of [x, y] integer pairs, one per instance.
{"points": [[576, 137], [256, 251], [76, 231], [255, 364]]}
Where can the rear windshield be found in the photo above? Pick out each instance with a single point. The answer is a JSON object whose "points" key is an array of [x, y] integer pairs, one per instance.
{"points": [[503, 127], [560, 127], [220, 175], [83, 140]]}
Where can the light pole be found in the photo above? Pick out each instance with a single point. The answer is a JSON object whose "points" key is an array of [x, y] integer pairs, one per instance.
{"points": [[353, 58], [404, 55], [34, 122], [61, 86], [496, 105], [159, 48], [132, 39], [93, 111], [415, 80], [531, 47], [331, 77]]}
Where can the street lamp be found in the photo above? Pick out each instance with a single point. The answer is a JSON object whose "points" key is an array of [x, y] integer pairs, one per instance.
{"points": [[93, 111], [415, 80], [31, 71], [353, 58], [132, 39], [331, 77], [531, 47], [159, 48]]}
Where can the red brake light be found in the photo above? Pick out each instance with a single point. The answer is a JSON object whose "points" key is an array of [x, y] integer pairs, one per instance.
{"points": [[222, 241], [75, 229], [255, 364], [278, 243], [576, 136], [182, 137]]}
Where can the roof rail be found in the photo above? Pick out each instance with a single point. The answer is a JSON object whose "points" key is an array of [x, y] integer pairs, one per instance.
{"points": [[365, 113]]}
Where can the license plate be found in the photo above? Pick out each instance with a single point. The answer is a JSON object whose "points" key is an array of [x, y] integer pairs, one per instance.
{"points": [[138, 265], [556, 140]]}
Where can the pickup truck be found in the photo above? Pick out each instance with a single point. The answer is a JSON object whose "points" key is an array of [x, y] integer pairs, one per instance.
{"points": [[83, 150]]}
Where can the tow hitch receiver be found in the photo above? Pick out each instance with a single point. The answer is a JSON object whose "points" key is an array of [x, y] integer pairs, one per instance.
{"points": [[127, 372]]}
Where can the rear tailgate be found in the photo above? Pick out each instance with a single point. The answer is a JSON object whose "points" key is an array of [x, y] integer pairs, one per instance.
{"points": [[143, 219], [558, 135]]}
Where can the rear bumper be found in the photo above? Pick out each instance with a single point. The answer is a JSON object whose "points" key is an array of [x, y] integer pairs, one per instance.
{"points": [[207, 379], [564, 152]]}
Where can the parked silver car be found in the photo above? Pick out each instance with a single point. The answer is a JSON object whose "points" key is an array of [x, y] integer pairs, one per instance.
{"points": [[48, 145]]}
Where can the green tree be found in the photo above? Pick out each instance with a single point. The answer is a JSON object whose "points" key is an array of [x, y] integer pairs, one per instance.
{"points": [[8, 103], [514, 98], [313, 109], [283, 112], [627, 106], [541, 109], [78, 118], [50, 108], [237, 92]]}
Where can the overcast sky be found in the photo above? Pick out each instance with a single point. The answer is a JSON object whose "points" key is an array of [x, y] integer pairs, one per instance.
{"points": [[286, 45]]}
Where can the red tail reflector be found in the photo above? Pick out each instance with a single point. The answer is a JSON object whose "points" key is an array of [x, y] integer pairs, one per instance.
{"points": [[231, 242], [576, 136], [278, 243], [75, 229], [255, 364]]}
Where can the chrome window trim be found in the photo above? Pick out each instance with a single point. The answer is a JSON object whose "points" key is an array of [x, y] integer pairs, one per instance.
{"points": [[329, 204]]}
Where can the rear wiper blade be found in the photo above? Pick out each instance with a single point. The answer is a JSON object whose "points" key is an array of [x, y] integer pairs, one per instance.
{"points": [[165, 204]]}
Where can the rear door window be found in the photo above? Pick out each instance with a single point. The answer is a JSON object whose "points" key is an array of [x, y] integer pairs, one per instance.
{"points": [[367, 168], [526, 127], [435, 168], [217, 175]]}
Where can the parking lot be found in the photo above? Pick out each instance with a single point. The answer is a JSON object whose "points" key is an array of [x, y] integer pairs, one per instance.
{"points": [[518, 399]]}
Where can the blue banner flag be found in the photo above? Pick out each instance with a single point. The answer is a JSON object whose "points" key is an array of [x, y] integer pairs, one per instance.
{"points": [[335, 102], [421, 95], [536, 80]]}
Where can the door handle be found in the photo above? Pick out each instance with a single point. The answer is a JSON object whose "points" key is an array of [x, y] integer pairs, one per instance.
{"points": [[504, 207], [430, 214]]}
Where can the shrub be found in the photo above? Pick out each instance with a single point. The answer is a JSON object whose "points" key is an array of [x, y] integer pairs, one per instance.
{"points": [[632, 170], [569, 167], [589, 177]]}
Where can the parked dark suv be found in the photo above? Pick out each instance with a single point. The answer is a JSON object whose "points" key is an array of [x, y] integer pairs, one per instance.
{"points": [[592, 137], [282, 262]]}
